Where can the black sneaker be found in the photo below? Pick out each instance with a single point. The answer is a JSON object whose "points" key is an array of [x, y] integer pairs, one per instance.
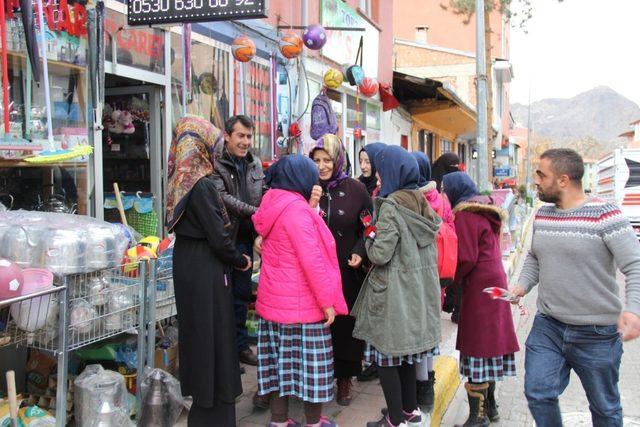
{"points": [[248, 357], [370, 373]]}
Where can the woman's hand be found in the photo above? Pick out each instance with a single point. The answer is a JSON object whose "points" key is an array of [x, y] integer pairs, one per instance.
{"points": [[249, 263], [257, 245], [330, 315], [355, 261], [316, 193]]}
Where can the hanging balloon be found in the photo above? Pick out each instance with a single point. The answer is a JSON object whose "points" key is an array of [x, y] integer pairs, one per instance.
{"points": [[332, 78], [243, 49], [314, 37], [290, 45], [368, 86]]}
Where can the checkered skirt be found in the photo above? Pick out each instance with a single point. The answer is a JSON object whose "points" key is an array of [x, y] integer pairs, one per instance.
{"points": [[482, 369], [296, 360], [372, 355]]}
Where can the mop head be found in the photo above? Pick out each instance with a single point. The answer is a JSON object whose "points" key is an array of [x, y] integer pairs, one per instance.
{"points": [[60, 155]]}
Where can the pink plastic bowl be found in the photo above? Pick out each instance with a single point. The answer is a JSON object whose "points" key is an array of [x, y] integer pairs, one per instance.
{"points": [[36, 279]]}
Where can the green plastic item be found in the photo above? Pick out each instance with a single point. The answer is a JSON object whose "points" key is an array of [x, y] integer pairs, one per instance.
{"points": [[105, 352]]}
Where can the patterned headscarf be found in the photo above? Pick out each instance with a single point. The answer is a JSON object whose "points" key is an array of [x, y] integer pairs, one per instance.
{"points": [[191, 157], [333, 146]]}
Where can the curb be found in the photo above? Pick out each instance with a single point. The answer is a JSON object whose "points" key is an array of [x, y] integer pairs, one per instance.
{"points": [[447, 382]]}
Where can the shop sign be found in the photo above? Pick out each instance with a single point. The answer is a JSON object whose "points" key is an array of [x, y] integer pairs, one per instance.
{"points": [[156, 12], [342, 46], [502, 172], [61, 16]]}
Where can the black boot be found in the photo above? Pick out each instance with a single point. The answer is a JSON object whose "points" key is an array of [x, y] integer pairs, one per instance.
{"points": [[426, 395], [477, 394], [492, 405]]}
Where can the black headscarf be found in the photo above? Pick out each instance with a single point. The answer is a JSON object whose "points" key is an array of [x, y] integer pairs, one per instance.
{"points": [[458, 186], [293, 173], [447, 163], [398, 170], [372, 150], [425, 167]]}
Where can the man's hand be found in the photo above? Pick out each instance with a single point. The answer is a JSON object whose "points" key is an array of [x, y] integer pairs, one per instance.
{"points": [[249, 263], [330, 315], [316, 193], [355, 261], [257, 245], [629, 326], [518, 292]]}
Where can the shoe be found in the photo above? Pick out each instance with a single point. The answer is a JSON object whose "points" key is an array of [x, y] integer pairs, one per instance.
{"points": [[248, 357], [426, 396], [242, 371], [455, 316], [370, 373], [290, 423], [492, 405], [344, 391], [261, 401], [385, 422], [477, 394], [325, 422], [415, 419]]}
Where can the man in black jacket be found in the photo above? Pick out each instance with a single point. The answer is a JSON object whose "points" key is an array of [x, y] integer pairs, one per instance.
{"points": [[239, 179]]}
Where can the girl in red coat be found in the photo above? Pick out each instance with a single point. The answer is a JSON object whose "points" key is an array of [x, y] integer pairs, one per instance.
{"points": [[486, 337]]}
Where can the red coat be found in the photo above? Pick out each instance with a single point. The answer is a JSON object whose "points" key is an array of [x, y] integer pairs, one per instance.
{"points": [[486, 327]]}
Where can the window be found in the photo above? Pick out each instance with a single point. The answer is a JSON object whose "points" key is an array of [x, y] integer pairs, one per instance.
{"points": [[356, 112], [373, 117], [445, 145], [425, 143], [421, 34], [462, 153]]}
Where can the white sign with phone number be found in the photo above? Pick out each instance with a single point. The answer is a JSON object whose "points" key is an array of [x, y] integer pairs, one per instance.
{"points": [[154, 12]]}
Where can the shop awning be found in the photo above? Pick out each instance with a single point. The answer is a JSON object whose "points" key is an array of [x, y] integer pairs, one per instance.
{"points": [[435, 106]]}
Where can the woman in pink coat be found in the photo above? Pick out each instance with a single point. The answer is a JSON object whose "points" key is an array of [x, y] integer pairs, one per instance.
{"points": [[299, 293]]}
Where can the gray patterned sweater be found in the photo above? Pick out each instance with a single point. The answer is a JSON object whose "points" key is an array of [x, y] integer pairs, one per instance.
{"points": [[574, 255]]}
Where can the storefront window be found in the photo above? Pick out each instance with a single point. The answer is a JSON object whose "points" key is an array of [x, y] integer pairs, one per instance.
{"points": [[137, 47], [356, 112], [425, 143], [445, 145], [210, 94], [61, 186], [373, 117]]}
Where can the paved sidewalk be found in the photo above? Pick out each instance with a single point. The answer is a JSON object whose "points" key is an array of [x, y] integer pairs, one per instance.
{"points": [[573, 402]]}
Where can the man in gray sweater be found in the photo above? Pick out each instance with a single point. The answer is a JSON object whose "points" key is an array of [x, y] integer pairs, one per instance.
{"points": [[577, 244]]}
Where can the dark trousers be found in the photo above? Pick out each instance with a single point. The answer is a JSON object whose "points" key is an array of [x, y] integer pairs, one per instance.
{"points": [[242, 287]]}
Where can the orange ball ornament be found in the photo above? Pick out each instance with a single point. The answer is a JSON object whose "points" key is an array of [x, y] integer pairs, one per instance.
{"points": [[368, 87], [243, 49], [291, 45]]}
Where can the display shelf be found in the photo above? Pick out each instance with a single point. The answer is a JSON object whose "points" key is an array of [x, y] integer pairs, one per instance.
{"points": [[23, 164], [53, 65]]}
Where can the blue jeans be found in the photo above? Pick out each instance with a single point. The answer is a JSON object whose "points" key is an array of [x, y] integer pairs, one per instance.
{"points": [[242, 287], [593, 352]]}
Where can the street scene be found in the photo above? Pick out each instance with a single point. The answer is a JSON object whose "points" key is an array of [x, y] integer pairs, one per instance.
{"points": [[319, 213]]}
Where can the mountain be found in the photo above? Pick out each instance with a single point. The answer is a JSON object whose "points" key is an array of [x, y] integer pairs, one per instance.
{"points": [[600, 113]]}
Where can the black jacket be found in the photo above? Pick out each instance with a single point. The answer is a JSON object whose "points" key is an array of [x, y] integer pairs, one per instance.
{"points": [[226, 179]]}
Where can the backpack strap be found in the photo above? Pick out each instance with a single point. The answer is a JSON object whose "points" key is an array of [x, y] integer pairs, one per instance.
{"points": [[360, 52]]}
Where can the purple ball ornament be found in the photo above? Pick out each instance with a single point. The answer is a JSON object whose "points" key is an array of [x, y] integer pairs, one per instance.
{"points": [[314, 37]]}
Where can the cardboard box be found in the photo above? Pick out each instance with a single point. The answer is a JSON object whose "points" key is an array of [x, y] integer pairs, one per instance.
{"points": [[166, 359]]}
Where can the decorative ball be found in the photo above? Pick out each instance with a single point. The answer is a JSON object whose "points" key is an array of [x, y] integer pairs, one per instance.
{"points": [[11, 280], [290, 45], [243, 49], [314, 37], [368, 86], [332, 78]]}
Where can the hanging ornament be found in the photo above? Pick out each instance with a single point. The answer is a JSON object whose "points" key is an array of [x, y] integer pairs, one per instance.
{"points": [[314, 37], [368, 87], [332, 78], [290, 45], [243, 49], [357, 132]]}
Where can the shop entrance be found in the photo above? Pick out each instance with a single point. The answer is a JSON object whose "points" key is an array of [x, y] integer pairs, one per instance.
{"points": [[132, 150]]}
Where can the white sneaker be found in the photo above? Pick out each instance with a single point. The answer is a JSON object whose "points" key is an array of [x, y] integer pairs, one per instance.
{"points": [[421, 419]]}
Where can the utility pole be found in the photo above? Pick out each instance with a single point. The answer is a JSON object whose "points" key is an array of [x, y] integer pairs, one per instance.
{"points": [[481, 95]]}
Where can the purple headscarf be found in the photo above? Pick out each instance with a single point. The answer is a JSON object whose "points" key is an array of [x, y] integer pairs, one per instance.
{"points": [[333, 146]]}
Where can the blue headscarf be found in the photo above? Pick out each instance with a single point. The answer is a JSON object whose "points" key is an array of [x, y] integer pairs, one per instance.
{"points": [[293, 173], [459, 187], [372, 151], [398, 170], [425, 167]]}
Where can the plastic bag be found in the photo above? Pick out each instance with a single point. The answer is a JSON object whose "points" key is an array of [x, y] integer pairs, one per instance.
{"points": [[81, 401], [62, 243], [104, 399], [161, 399]]}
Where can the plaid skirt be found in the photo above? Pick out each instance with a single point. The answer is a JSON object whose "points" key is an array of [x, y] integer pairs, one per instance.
{"points": [[372, 355], [483, 369], [295, 360]]}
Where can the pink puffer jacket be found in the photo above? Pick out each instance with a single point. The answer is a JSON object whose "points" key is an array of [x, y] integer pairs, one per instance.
{"points": [[438, 202], [300, 274]]}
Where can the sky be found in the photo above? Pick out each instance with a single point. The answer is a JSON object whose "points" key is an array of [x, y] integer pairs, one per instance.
{"points": [[576, 45]]}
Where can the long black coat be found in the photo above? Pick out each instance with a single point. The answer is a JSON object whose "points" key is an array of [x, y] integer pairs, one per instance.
{"points": [[342, 207], [209, 367]]}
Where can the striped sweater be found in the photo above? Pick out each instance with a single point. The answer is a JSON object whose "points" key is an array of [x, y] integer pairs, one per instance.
{"points": [[573, 257]]}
